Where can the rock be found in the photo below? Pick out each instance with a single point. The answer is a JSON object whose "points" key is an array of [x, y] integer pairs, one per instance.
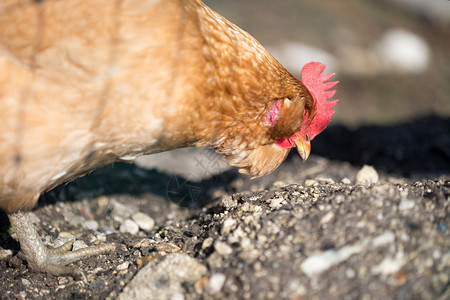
{"points": [[276, 203], [319, 263], [144, 221], [129, 226], [402, 51], [222, 248], [167, 247], [26, 282], [121, 212], [123, 266], [366, 176], [207, 243], [346, 181], [327, 218], [383, 239], [177, 296], [227, 226], [78, 244], [311, 182], [389, 265], [216, 282], [164, 279], [91, 225], [406, 204]]}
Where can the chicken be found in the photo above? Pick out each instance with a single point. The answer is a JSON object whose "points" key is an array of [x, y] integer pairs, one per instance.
{"points": [[88, 83]]}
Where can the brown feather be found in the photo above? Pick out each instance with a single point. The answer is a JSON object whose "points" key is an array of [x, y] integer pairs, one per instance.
{"points": [[87, 83]]}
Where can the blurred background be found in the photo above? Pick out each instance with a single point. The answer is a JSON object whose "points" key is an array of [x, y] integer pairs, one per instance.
{"points": [[391, 56]]}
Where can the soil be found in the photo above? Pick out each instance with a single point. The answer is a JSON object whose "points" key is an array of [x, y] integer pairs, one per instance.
{"points": [[301, 211]]}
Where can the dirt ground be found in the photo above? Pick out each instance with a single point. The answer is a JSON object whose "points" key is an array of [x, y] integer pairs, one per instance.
{"points": [[307, 231], [319, 229]]}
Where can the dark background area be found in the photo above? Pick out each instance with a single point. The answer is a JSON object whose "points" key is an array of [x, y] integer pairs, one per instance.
{"points": [[349, 32]]}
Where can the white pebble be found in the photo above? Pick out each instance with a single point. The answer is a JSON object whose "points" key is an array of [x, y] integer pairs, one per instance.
{"points": [[346, 181], [383, 239], [311, 182], [327, 218], [144, 221], [216, 282], [350, 273], [320, 262], [389, 265], [367, 175], [78, 244], [177, 296], [26, 282], [406, 204], [123, 266], [400, 50], [227, 226], [207, 243], [129, 226], [92, 225], [276, 203], [222, 248]]}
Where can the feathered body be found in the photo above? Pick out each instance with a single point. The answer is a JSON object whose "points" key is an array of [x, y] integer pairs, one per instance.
{"points": [[87, 83]]}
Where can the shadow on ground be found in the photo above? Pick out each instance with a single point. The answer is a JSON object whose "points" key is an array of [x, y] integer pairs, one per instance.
{"points": [[415, 149]]}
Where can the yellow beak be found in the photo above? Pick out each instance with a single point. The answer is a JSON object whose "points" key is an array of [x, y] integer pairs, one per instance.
{"points": [[303, 146]]}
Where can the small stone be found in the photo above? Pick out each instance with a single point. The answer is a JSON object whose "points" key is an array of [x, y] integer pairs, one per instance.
{"points": [[5, 254], [177, 296], [276, 203], [91, 225], [325, 180], [165, 278], [121, 212], [167, 247], [222, 248], [350, 273], [247, 207], [406, 204], [123, 266], [367, 175], [63, 281], [143, 243], [327, 218], [78, 244], [229, 202], [311, 182], [389, 265], [63, 238], [144, 221], [383, 239], [346, 181], [129, 226], [207, 243], [227, 226], [216, 282], [26, 282]]}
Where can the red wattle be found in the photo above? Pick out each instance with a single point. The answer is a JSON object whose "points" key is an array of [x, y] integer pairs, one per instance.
{"points": [[286, 143]]}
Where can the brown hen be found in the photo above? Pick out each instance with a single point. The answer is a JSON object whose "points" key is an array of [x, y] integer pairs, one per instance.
{"points": [[86, 83]]}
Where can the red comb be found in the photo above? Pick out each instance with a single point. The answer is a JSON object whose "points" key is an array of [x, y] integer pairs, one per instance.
{"points": [[319, 88]]}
